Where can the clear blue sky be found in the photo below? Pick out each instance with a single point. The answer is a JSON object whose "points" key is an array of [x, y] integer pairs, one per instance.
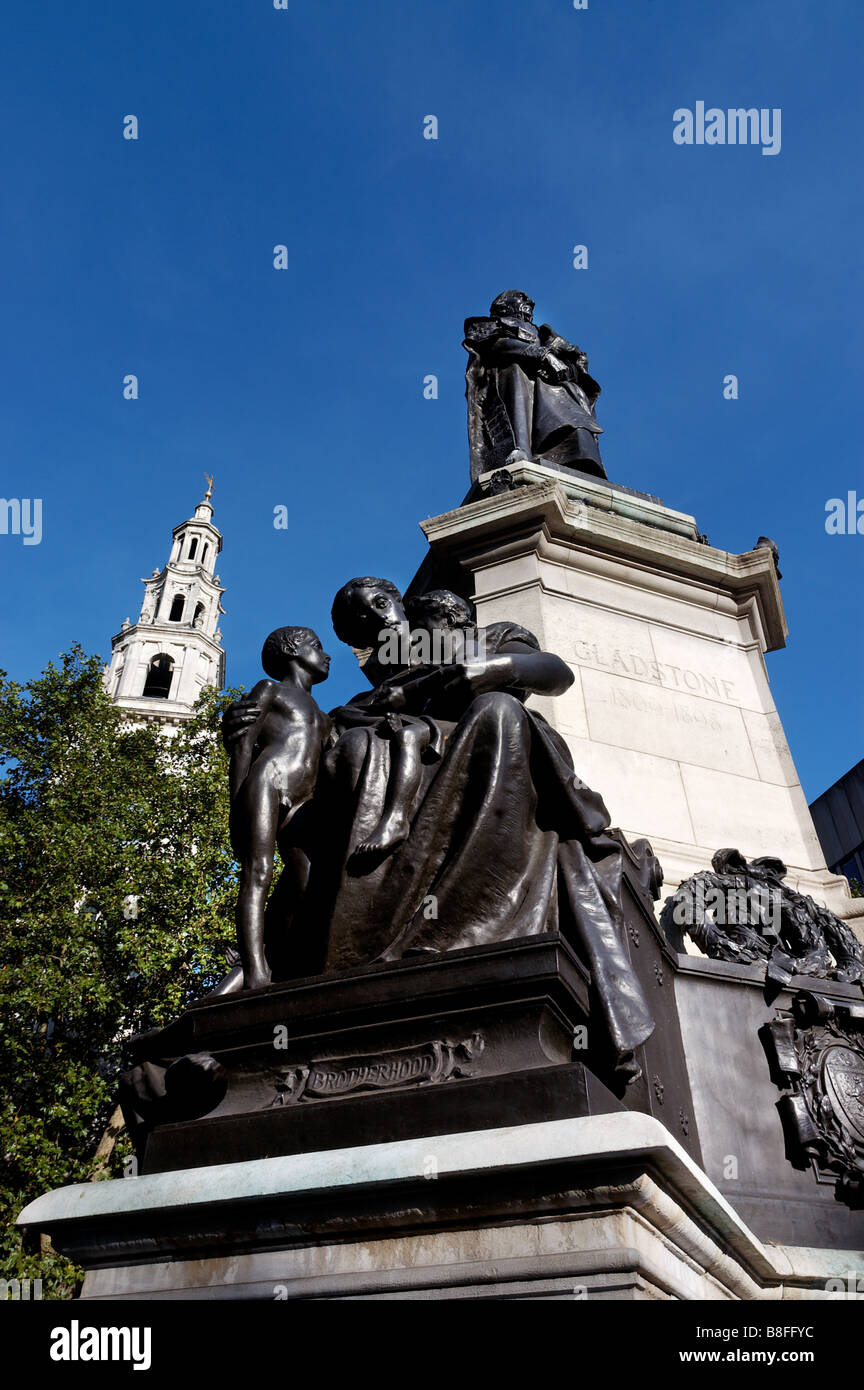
{"points": [[304, 387]]}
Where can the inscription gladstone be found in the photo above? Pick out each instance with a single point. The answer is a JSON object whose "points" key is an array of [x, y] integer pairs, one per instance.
{"points": [[626, 662]]}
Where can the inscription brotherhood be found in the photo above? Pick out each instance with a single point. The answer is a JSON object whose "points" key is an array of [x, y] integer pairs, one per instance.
{"points": [[336, 1076], [626, 662]]}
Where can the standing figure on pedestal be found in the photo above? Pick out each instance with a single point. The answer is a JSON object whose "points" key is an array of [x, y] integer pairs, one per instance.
{"points": [[529, 392]]}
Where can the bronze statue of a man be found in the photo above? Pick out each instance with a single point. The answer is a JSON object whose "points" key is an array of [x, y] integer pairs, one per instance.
{"points": [[529, 392]]}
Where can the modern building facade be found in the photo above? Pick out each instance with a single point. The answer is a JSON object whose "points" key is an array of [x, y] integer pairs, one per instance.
{"points": [[838, 815]]}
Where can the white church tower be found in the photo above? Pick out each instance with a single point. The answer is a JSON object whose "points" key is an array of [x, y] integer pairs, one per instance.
{"points": [[160, 664]]}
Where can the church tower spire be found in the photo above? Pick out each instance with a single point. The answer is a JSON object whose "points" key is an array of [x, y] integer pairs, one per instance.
{"points": [[160, 663]]}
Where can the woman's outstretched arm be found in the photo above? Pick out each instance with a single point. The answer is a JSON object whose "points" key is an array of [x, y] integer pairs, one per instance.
{"points": [[516, 667]]}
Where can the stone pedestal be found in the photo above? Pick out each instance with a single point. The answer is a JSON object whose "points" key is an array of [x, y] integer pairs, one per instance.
{"points": [[670, 716], [433, 1129], [738, 1110], [477, 1038], [601, 1207], [423, 1046]]}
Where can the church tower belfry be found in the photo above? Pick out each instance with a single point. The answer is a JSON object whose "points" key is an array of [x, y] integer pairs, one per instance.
{"points": [[160, 663]]}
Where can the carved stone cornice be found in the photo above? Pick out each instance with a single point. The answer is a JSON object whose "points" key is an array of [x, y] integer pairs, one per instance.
{"points": [[543, 520]]}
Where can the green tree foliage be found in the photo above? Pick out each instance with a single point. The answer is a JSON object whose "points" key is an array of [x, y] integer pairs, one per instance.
{"points": [[117, 890]]}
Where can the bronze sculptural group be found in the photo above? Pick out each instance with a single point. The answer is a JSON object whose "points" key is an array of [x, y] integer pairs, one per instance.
{"points": [[436, 813]]}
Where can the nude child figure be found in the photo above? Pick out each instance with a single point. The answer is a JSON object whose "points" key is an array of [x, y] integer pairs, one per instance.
{"points": [[273, 768]]}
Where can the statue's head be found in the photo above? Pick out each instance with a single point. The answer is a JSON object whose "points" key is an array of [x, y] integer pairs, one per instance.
{"points": [[288, 646], [439, 608], [732, 861], [512, 304], [365, 606], [729, 861], [770, 869]]}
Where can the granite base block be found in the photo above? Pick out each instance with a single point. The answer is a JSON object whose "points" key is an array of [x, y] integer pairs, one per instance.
{"points": [[600, 1207]]}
